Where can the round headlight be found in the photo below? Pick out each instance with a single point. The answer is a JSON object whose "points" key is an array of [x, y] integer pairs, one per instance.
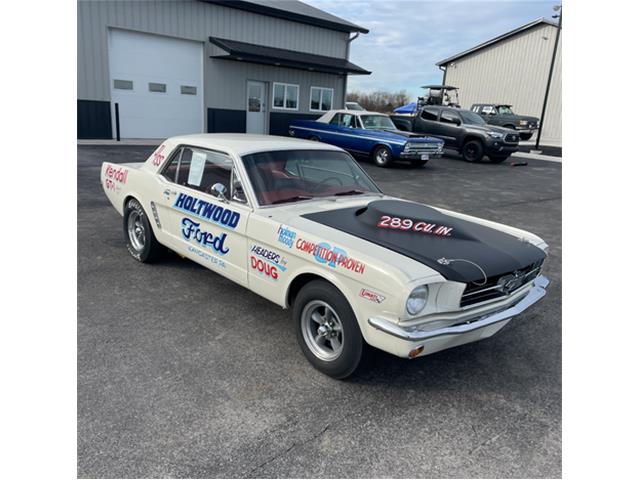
{"points": [[417, 300]]}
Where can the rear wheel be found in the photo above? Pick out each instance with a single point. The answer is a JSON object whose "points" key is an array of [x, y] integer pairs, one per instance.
{"points": [[327, 329], [472, 151], [138, 234], [382, 156]]}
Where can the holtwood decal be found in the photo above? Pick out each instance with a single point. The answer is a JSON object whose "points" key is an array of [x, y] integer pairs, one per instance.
{"points": [[207, 211]]}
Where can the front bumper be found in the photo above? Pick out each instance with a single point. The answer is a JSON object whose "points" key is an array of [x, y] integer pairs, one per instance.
{"points": [[469, 331], [503, 148]]}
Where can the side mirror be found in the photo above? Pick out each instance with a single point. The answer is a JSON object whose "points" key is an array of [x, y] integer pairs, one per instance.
{"points": [[492, 113], [219, 191], [457, 121]]}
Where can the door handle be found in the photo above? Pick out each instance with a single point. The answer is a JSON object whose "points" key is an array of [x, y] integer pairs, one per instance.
{"points": [[169, 192]]}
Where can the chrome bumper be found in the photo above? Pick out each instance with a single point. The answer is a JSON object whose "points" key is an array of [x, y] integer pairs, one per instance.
{"points": [[412, 334]]}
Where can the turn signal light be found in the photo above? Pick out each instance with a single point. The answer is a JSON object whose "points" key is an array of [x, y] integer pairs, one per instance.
{"points": [[416, 351]]}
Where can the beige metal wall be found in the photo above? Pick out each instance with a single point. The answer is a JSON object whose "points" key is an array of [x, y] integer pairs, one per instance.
{"points": [[191, 20], [515, 71]]}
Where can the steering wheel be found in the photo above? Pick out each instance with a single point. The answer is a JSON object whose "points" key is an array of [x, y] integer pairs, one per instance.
{"points": [[325, 181]]}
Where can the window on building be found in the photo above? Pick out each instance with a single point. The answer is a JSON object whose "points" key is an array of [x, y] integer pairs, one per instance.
{"points": [[285, 96], [321, 99], [123, 84], [158, 87]]}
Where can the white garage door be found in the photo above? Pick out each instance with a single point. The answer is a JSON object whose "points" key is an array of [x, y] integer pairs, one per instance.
{"points": [[157, 83]]}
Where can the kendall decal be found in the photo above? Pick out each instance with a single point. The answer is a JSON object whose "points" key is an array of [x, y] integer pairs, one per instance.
{"points": [[191, 231], [332, 256], [117, 174], [398, 223], [286, 236], [207, 211]]}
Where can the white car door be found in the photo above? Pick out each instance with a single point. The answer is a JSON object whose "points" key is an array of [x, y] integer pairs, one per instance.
{"points": [[207, 229]]}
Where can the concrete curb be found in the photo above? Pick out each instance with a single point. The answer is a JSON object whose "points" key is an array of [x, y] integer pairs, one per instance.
{"points": [[535, 156]]}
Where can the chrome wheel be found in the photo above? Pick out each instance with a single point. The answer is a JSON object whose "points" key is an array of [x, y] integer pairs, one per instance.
{"points": [[382, 156], [135, 228], [322, 330]]}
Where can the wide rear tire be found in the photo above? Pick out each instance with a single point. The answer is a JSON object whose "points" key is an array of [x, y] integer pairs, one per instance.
{"points": [[327, 330], [138, 234]]}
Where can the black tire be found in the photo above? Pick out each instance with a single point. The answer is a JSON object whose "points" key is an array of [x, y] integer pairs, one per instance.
{"points": [[144, 248], [382, 156], [312, 299], [526, 136], [472, 151], [498, 158], [419, 163]]}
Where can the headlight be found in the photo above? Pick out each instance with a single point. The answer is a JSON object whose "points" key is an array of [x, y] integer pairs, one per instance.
{"points": [[523, 122], [417, 300], [495, 135]]}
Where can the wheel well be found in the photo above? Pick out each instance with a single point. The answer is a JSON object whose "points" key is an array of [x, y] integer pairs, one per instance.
{"points": [[296, 285], [379, 145], [472, 137]]}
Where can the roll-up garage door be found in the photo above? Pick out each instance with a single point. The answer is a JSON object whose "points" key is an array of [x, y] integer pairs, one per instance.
{"points": [[157, 83]]}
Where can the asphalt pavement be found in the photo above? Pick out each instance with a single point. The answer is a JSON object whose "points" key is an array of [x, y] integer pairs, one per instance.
{"points": [[182, 373]]}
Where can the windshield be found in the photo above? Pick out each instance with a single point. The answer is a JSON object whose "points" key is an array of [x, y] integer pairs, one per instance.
{"points": [[504, 110], [294, 175], [354, 106], [471, 118], [377, 121]]}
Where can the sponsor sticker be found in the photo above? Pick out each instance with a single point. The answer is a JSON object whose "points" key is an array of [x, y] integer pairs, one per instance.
{"points": [[207, 256], [191, 231], [286, 236], [267, 262], [408, 224], [158, 155], [114, 177], [207, 211], [331, 256], [373, 296]]}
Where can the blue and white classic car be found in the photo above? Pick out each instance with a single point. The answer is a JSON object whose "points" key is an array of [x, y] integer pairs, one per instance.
{"points": [[369, 133]]}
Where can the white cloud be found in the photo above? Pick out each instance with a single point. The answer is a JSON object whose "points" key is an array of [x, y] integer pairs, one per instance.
{"points": [[407, 37]]}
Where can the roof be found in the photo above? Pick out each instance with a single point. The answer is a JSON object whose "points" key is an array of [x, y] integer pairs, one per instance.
{"points": [[295, 11], [440, 87], [284, 58], [523, 28], [328, 115], [244, 143]]}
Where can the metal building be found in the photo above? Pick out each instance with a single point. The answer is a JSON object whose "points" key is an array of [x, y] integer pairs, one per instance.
{"points": [[192, 66], [513, 69]]}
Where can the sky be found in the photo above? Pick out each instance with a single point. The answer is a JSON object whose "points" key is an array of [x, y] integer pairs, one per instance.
{"points": [[407, 37]]}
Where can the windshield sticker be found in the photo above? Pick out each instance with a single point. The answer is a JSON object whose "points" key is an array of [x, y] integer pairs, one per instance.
{"points": [[191, 231], [286, 236], [334, 257], [397, 223], [198, 159], [207, 211]]}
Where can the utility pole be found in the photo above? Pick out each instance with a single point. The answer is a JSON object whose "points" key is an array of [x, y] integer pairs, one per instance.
{"points": [[553, 63]]}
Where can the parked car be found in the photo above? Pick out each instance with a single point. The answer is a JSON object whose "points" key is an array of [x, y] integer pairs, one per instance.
{"points": [[302, 224], [371, 134], [463, 131], [353, 106], [503, 116]]}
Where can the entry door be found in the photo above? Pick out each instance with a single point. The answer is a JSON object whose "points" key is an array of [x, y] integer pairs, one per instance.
{"points": [[256, 107]]}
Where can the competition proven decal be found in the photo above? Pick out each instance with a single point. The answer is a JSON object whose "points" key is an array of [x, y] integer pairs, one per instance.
{"points": [[207, 211], [408, 224], [327, 254]]}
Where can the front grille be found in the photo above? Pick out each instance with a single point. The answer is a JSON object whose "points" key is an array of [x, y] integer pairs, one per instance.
{"points": [[512, 138], [490, 290], [423, 148]]}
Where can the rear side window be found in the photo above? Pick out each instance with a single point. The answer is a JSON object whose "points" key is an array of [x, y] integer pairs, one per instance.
{"points": [[430, 114]]}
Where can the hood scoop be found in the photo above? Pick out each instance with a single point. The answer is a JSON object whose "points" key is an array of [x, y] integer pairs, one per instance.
{"points": [[459, 250]]}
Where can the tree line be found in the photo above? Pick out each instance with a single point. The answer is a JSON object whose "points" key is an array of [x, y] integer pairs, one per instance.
{"points": [[380, 100]]}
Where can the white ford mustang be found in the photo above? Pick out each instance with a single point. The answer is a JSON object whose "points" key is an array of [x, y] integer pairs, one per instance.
{"points": [[300, 223]]}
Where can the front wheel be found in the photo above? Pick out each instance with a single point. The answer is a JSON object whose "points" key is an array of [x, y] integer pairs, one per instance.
{"points": [[382, 156], [138, 234], [327, 330], [473, 151]]}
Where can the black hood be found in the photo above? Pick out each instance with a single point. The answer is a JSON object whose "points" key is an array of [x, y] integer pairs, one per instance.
{"points": [[459, 250]]}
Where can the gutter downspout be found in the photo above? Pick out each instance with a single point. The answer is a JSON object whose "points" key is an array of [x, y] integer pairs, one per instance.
{"points": [[444, 74], [546, 93], [344, 84]]}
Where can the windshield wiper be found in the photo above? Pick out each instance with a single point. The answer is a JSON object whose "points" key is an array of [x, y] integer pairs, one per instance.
{"points": [[349, 192], [292, 199]]}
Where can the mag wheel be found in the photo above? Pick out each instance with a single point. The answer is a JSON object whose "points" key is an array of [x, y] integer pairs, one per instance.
{"points": [[327, 330], [141, 242], [382, 156]]}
